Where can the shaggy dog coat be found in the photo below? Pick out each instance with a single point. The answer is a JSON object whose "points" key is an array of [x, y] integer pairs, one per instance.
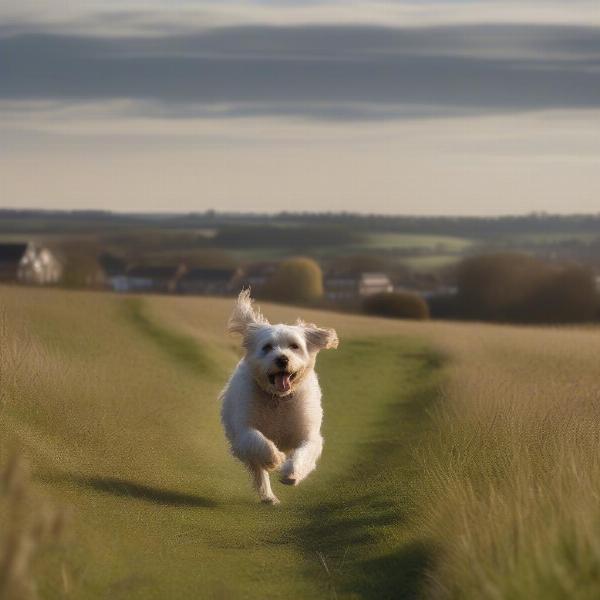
{"points": [[271, 406]]}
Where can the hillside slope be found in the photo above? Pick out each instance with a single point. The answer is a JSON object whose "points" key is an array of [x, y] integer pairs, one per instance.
{"points": [[114, 400], [460, 459]]}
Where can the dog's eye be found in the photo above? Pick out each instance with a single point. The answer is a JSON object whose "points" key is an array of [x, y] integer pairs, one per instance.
{"points": [[267, 348], [294, 346]]}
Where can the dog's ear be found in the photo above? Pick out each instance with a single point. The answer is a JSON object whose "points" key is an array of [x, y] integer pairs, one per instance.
{"points": [[244, 316], [319, 338]]}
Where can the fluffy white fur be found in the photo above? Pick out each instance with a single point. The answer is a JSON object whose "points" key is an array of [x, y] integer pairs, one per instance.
{"points": [[272, 403]]}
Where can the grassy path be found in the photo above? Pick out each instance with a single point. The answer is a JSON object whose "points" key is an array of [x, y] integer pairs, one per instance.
{"points": [[121, 424]]}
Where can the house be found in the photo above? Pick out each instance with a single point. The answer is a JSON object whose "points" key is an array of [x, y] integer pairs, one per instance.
{"points": [[148, 279], [114, 269], [443, 291], [29, 263], [256, 275], [374, 283], [208, 281], [40, 266], [349, 285]]}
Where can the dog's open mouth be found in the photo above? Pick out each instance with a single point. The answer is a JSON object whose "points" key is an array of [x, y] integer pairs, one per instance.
{"points": [[282, 380]]}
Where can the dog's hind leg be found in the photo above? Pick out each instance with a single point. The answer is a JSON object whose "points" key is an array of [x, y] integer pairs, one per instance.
{"points": [[262, 483], [302, 461]]}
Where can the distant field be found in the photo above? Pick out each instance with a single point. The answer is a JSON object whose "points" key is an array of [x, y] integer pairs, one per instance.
{"points": [[420, 252], [553, 238], [435, 243], [115, 401], [433, 262], [460, 459]]}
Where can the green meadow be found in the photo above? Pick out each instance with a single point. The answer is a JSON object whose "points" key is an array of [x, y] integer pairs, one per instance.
{"points": [[117, 410], [459, 459]]}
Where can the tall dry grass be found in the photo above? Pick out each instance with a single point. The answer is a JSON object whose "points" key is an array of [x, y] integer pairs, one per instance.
{"points": [[29, 525], [510, 493], [512, 479]]}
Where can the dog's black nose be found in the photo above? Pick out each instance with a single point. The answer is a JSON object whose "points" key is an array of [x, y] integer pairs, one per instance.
{"points": [[282, 361]]}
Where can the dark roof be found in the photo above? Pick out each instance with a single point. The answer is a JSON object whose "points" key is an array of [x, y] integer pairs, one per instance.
{"points": [[353, 275], [112, 265], [12, 252], [200, 274], [153, 272], [259, 269]]}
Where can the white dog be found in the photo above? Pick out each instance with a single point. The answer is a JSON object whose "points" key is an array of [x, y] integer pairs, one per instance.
{"points": [[272, 403]]}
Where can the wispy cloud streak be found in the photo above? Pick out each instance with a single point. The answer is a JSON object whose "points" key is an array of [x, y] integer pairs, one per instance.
{"points": [[319, 71]]}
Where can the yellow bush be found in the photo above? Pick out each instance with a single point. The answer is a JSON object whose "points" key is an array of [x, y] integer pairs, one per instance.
{"points": [[297, 280]]}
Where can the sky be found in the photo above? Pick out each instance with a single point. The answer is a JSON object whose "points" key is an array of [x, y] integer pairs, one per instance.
{"points": [[429, 107]]}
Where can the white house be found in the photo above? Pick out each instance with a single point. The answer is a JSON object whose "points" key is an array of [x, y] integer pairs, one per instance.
{"points": [[348, 286], [39, 265], [29, 263]]}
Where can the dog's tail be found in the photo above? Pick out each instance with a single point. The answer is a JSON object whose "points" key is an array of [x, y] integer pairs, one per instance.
{"points": [[244, 314]]}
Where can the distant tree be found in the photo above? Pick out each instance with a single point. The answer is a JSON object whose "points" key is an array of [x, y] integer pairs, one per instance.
{"points": [[112, 263], [517, 287], [81, 265], [275, 236], [400, 305], [496, 286], [209, 258], [295, 280], [569, 296]]}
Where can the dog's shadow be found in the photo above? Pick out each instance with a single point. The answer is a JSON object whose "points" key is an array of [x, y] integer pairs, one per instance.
{"points": [[131, 489]]}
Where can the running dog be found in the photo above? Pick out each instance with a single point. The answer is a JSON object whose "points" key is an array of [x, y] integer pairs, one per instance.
{"points": [[271, 406]]}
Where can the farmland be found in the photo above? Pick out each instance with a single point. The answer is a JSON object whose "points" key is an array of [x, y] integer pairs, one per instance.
{"points": [[460, 459], [420, 244]]}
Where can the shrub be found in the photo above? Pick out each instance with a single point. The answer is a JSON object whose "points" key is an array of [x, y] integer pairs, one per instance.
{"points": [[297, 280], [395, 304], [496, 286]]}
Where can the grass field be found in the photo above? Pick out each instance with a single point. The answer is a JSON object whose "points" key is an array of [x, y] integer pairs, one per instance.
{"points": [[460, 460], [433, 243]]}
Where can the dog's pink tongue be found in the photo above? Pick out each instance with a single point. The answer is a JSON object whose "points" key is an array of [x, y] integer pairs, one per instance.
{"points": [[282, 382]]}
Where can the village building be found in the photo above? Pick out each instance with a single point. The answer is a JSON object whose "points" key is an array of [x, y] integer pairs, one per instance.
{"points": [[159, 278], [348, 286], [256, 275], [29, 263]]}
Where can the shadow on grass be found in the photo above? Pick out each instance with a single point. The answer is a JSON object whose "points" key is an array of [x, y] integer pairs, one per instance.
{"points": [[398, 575], [183, 349], [130, 489], [366, 539]]}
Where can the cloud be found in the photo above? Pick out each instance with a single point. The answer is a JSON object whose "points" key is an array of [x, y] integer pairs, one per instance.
{"points": [[151, 17], [323, 72]]}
